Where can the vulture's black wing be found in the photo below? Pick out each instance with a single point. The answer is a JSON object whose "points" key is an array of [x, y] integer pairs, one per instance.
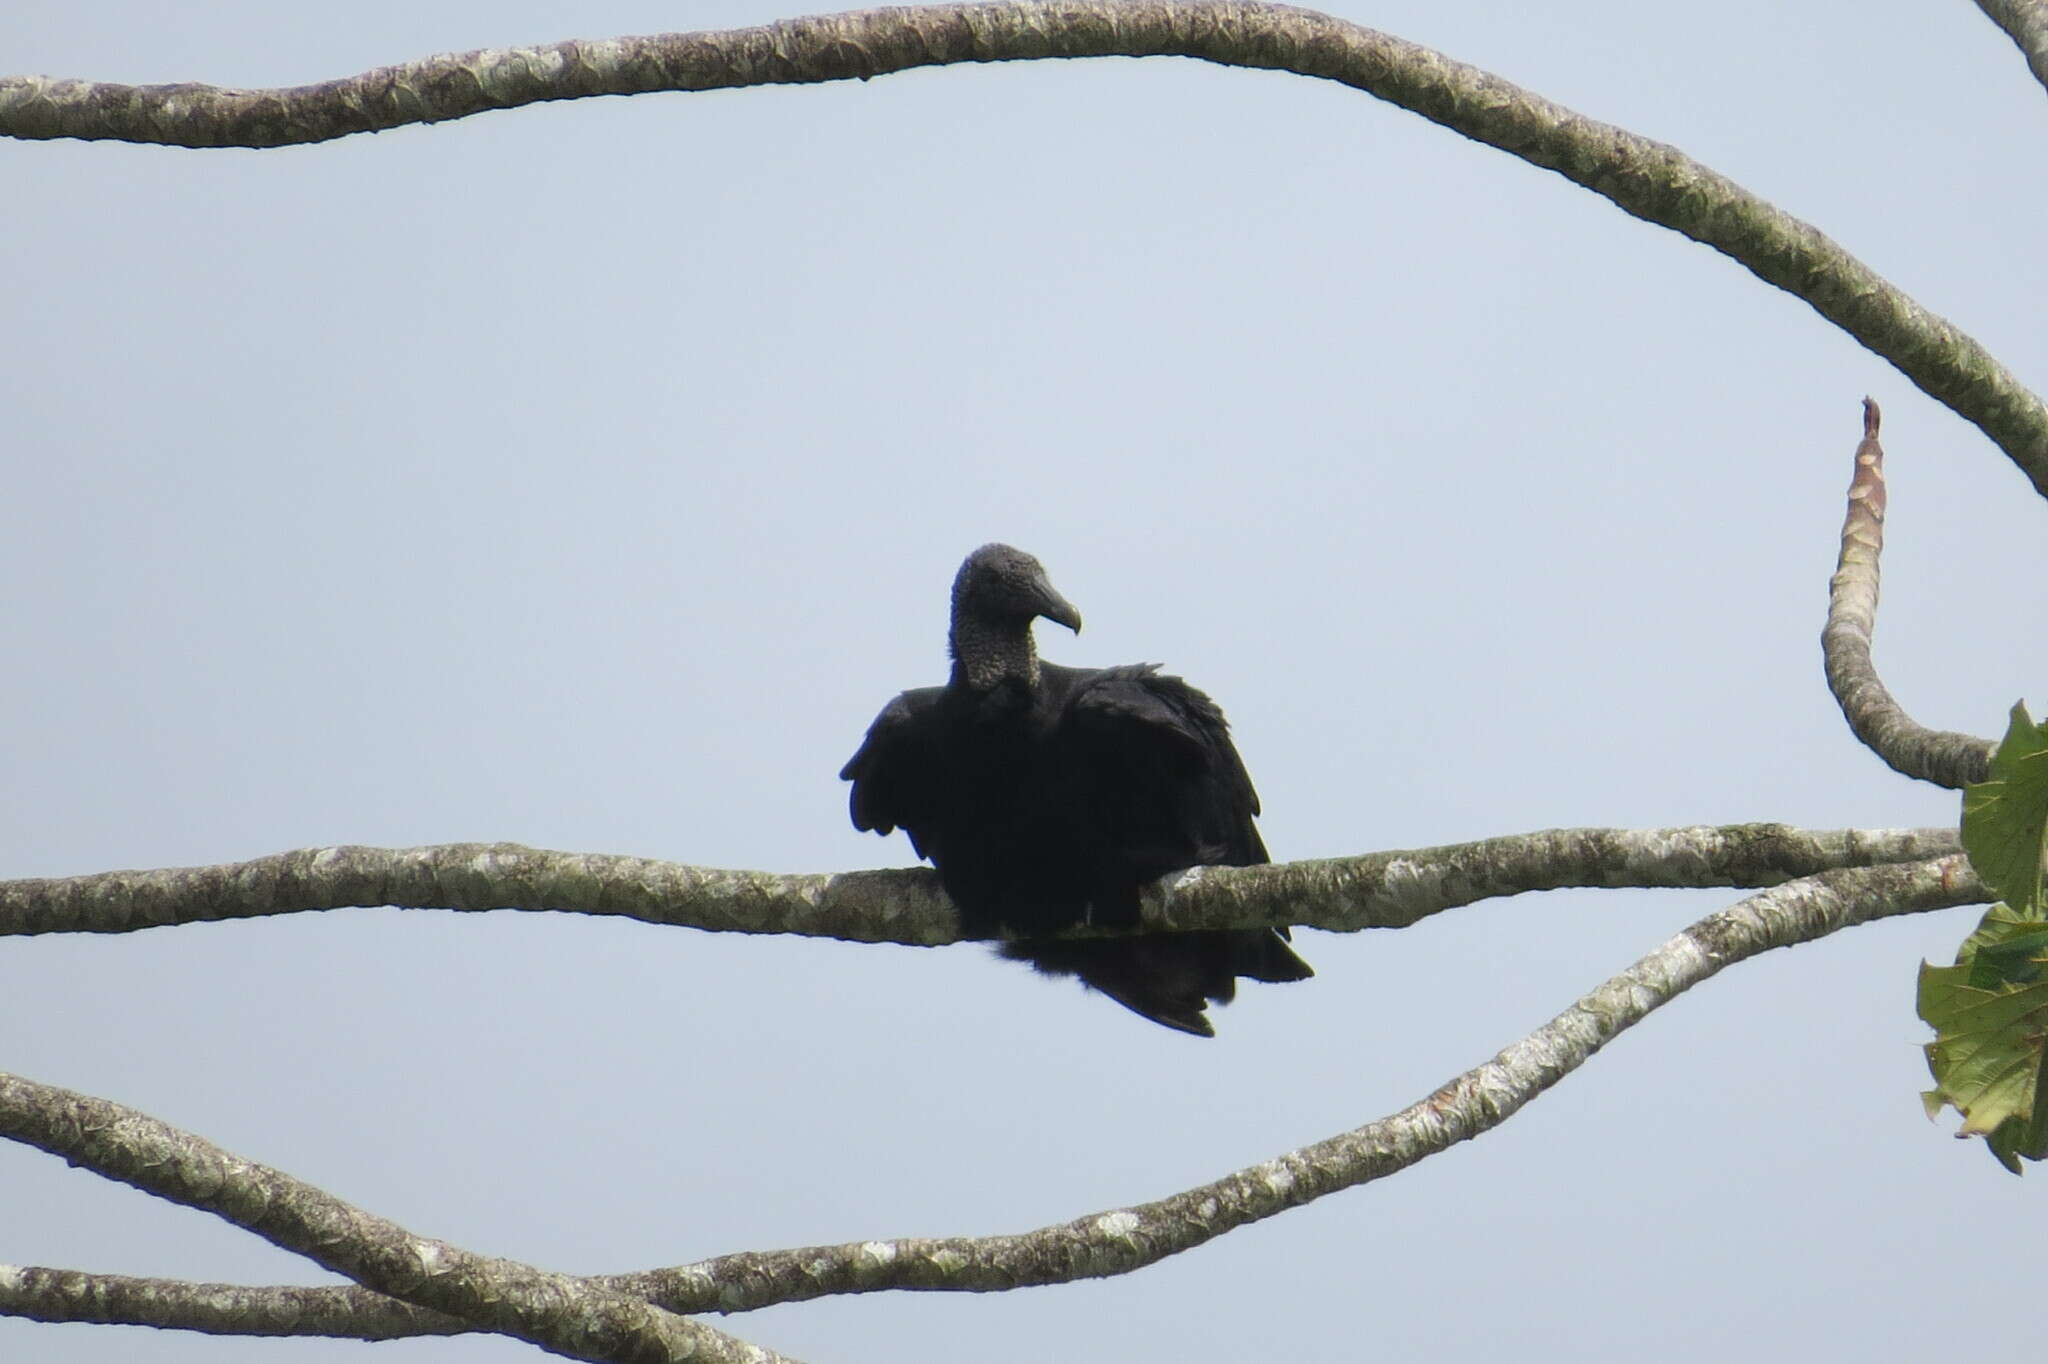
{"points": [[1145, 765], [899, 773], [1152, 758]]}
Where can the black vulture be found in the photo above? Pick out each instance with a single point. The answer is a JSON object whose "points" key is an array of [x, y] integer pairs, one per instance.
{"points": [[1046, 796]]}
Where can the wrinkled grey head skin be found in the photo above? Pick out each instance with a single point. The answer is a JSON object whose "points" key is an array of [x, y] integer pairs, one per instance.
{"points": [[998, 592], [1001, 584]]}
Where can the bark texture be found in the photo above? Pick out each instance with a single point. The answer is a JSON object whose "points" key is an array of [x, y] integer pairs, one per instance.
{"points": [[1648, 179], [1377, 890], [151, 1155], [1941, 756]]}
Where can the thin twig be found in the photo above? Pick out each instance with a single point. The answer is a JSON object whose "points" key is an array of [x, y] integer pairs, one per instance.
{"points": [[1933, 755]]}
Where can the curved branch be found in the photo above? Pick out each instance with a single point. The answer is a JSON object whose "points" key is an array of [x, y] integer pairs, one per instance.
{"points": [[1378, 890], [1120, 1240], [1117, 1242], [581, 1319], [2026, 23], [1934, 755], [1653, 181]]}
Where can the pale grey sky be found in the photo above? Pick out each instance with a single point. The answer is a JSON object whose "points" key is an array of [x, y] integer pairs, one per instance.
{"points": [[588, 475]]}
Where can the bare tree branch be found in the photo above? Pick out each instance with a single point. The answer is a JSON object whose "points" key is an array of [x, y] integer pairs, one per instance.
{"points": [[1116, 1242], [1653, 181], [437, 1288], [2026, 23], [1377, 890], [577, 1318], [219, 1309], [1100, 1244], [1933, 755]]}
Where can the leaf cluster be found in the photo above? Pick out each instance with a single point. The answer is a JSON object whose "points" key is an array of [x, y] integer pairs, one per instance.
{"points": [[1989, 1011]]}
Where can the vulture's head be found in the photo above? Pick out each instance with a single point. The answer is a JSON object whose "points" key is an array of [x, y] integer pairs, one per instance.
{"points": [[1005, 589]]}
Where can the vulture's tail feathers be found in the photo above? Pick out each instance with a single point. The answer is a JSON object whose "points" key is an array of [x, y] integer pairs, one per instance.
{"points": [[1170, 978]]}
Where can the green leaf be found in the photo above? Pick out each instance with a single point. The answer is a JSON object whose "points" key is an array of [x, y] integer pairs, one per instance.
{"points": [[1989, 1011], [2004, 818], [1990, 1016]]}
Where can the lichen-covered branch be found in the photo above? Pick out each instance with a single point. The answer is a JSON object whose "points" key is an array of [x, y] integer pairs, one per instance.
{"points": [[1378, 890], [1397, 889], [2026, 23], [347, 1311], [578, 1318], [1649, 179], [1934, 755], [1120, 1240], [880, 906]]}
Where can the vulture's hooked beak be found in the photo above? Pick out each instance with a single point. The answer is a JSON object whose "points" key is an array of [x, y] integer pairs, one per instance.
{"points": [[1054, 607]]}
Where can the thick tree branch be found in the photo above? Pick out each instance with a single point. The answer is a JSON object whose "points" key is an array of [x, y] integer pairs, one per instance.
{"points": [[1934, 755], [1378, 890], [1653, 181], [1120, 1240], [217, 1309], [577, 1318], [2026, 23]]}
